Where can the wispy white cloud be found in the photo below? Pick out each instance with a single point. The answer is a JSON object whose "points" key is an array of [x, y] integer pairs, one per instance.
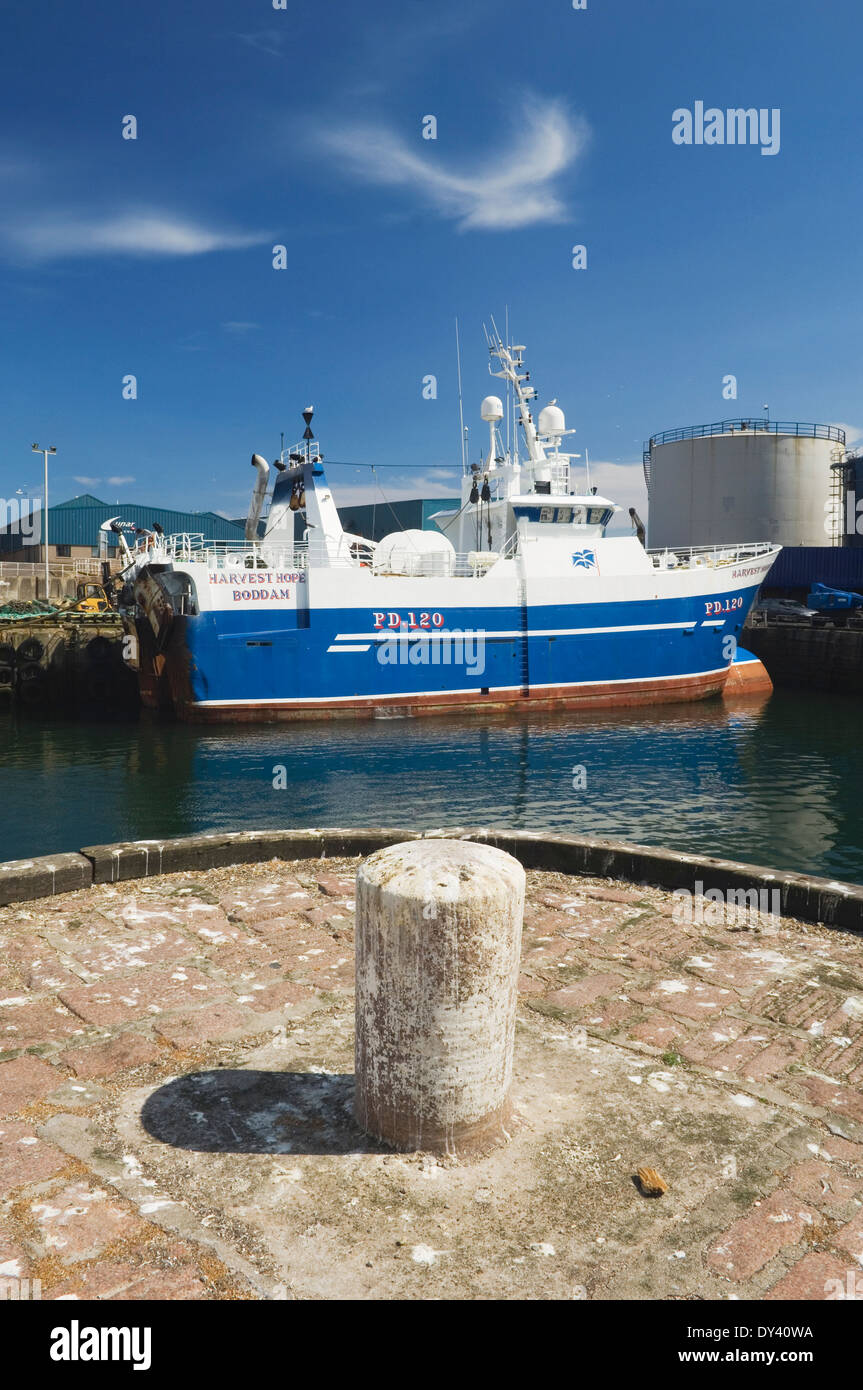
{"points": [[134, 232], [622, 483], [87, 482], [239, 326], [361, 488], [270, 41], [121, 481], [853, 433], [514, 187], [393, 45]]}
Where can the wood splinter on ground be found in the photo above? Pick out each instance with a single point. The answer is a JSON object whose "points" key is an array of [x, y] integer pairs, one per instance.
{"points": [[651, 1184]]}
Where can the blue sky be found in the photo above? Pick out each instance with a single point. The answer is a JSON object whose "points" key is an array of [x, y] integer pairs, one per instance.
{"points": [[303, 127]]}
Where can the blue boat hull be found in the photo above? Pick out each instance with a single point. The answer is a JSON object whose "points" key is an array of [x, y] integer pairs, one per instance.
{"points": [[261, 664]]}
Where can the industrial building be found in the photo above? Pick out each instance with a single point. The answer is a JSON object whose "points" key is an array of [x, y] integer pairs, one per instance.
{"points": [[73, 526], [377, 519], [374, 520], [73, 529], [744, 480]]}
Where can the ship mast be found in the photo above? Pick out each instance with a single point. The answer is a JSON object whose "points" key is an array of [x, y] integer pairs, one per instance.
{"points": [[510, 359]]}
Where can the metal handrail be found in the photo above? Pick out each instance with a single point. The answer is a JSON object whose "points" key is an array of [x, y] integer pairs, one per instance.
{"points": [[18, 569], [715, 555], [747, 426], [356, 553]]}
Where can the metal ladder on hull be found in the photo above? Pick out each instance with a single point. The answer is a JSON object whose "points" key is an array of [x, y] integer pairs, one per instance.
{"points": [[523, 648], [841, 475]]}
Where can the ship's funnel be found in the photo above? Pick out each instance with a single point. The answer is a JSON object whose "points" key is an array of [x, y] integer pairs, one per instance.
{"points": [[258, 494]]}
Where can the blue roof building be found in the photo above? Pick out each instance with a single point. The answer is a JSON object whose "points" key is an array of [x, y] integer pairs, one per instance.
{"points": [[73, 528]]}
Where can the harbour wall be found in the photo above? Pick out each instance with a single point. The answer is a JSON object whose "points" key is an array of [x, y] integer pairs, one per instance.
{"points": [[803, 897], [71, 663], [21, 588], [817, 656]]}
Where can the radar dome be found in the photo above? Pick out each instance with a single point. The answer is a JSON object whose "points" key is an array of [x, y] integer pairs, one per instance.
{"points": [[552, 420], [491, 408]]}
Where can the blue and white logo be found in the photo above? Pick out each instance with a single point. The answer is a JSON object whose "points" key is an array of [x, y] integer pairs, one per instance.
{"points": [[584, 559]]}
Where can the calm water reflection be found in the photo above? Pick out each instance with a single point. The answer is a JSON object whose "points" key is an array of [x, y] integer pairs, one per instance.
{"points": [[777, 784]]}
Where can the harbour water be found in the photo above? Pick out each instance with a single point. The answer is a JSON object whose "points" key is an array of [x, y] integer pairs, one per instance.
{"points": [[777, 784]]}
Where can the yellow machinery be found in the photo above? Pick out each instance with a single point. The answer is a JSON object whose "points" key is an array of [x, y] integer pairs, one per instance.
{"points": [[91, 598]]}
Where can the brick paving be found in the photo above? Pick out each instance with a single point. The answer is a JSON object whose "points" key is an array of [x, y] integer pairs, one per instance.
{"points": [[175, 1060]]}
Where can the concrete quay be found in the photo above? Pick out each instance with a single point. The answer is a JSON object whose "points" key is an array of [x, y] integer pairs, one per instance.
{"points": [[176, 1095]]}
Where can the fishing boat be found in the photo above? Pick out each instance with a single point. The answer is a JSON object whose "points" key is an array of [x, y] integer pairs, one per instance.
{"points": [[517, 598]]}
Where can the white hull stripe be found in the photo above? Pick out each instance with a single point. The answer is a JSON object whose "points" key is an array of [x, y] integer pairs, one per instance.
{"points": [[448, 633], [407, 696]]}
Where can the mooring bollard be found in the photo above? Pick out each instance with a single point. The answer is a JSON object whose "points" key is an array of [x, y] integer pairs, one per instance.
{"points": [[438, 946]]}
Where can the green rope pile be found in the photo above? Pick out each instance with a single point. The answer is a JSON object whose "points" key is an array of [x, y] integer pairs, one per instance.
{"points": [[18, 609]]}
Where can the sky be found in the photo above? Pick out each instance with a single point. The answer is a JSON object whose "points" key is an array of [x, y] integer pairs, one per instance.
{"points": [[302, 127]]}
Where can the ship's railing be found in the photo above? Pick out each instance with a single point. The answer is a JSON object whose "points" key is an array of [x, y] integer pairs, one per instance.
{"points": [[559, 475], [558, 466], [752, 425], [353, 552], [306, 451], [710, 556]]}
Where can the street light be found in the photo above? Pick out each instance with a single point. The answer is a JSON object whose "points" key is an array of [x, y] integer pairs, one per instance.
{"points": [[46, 452]]}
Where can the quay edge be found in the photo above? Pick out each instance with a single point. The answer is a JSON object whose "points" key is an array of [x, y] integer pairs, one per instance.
{"points": [[825, 902]]}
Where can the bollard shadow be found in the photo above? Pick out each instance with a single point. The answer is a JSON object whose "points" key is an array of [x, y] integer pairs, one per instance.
{"points": [[258, 1112]]}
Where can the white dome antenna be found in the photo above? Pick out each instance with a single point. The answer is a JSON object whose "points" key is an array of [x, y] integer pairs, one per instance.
{"points": [[552, 421], [491, 411]]}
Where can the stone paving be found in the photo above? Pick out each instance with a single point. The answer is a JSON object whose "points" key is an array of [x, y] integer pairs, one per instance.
{"points": [[176, 1089]]}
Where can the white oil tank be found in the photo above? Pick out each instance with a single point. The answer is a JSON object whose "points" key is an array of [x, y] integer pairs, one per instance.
{"points": [[741, 480]]}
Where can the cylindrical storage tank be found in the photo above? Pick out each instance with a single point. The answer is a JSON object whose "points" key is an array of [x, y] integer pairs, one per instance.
{"points": [[438, 946], [740, 481], [853, 503]]}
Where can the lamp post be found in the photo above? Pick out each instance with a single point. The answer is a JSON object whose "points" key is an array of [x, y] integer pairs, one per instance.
{"points": [[45, 452]]}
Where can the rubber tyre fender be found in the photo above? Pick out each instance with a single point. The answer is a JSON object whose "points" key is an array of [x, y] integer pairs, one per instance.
{"points": [[98, 650], [31, 649]]}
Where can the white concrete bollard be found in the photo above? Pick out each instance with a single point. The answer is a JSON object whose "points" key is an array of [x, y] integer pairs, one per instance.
{"points": [[438, 946]]}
